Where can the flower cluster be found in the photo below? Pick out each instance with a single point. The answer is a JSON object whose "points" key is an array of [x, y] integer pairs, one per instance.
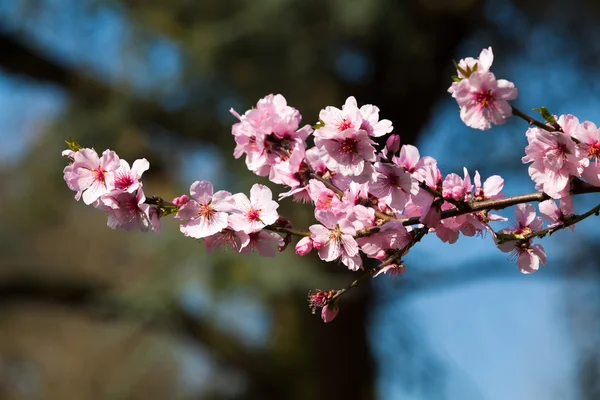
{"points": [[370, 200], [482, 98], [110, 184]]}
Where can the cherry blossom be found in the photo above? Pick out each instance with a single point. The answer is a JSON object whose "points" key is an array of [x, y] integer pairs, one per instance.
{"points": [[92, 175], [251, 215], [204, 214]]}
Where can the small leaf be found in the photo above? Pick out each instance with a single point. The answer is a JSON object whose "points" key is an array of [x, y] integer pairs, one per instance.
{"points": [[73, 145], [547, 115]]}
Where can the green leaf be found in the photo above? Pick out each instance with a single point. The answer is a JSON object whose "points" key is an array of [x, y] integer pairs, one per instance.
{"points": [[73, 145], [547, 115]]}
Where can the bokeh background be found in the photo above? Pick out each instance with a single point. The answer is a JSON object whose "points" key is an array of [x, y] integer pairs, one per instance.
{"points": [[91, 313]]}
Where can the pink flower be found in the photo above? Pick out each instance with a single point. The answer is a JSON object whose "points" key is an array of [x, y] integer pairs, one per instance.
{"points": [[92, 175], [491, 187], [556, 215], [128, 179], [429, 174], [347, 151], [268, 134], [392, 235], [236, 240], [483, 100], [329, 312], [251, 215], [394, 270], [393, 185], [528, 256], [181, 200], [555, 158], [468, 65], [408, 159], [265, 243], [204, 215], [128, 211], [336, 121], [336, 239], [589, 144], [304, 246]]}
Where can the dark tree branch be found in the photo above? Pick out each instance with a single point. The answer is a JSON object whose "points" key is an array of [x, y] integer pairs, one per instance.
{"points": [[93, 299]]}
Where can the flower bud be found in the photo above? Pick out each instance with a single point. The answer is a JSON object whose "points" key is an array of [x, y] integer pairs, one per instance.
{"points": [[304, 246], [392, 144], [329, 312], [181, 200]]}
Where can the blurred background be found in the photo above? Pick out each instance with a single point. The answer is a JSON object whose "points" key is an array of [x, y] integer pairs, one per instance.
{"points": [[91, 313]]}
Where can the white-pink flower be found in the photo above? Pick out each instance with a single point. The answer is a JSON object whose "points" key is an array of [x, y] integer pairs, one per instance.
{"points": [[265, 243], [128, 211], [484, 100], [92, 175], [251, 215], [347, 151], [468, 65], [491, 188], [556, 214], [204, 214], [555, 158], [228, 238], [393, 185], [128, 179], [336, 239], [528, 256]]}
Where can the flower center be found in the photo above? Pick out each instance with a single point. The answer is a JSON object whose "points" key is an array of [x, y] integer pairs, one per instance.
{"points": [[349, 146], [594, 150], [253, 215], [485, 99], [99, 174], [344, 125], [206, 211], [123, 181]]}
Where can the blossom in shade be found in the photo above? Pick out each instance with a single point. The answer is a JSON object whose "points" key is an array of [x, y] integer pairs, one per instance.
{"points": [[329, 312], [265, 243], [392, 186], [128, 179], [204, 214], [92, 175], [483, 100], [128, 211], [393, 269], [228, 238], [528, 255], [251, 215], [556, 215]]}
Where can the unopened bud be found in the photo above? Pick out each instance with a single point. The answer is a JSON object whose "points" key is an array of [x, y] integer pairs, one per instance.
{"points": [[392, 144]]}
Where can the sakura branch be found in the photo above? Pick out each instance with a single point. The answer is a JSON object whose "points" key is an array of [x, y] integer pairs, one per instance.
{"points": [[370, 201]]}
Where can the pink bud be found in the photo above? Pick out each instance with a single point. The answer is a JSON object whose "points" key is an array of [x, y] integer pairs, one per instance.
{"points": [[393, 144], [181, 200], [329, 312], [304, 246]]}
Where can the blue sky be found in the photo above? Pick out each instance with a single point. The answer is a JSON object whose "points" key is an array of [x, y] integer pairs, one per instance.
{"points": [[494, 339]]}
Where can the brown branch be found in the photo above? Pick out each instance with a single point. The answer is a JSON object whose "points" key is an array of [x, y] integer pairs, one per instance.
{"points": [[577, 187]]}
